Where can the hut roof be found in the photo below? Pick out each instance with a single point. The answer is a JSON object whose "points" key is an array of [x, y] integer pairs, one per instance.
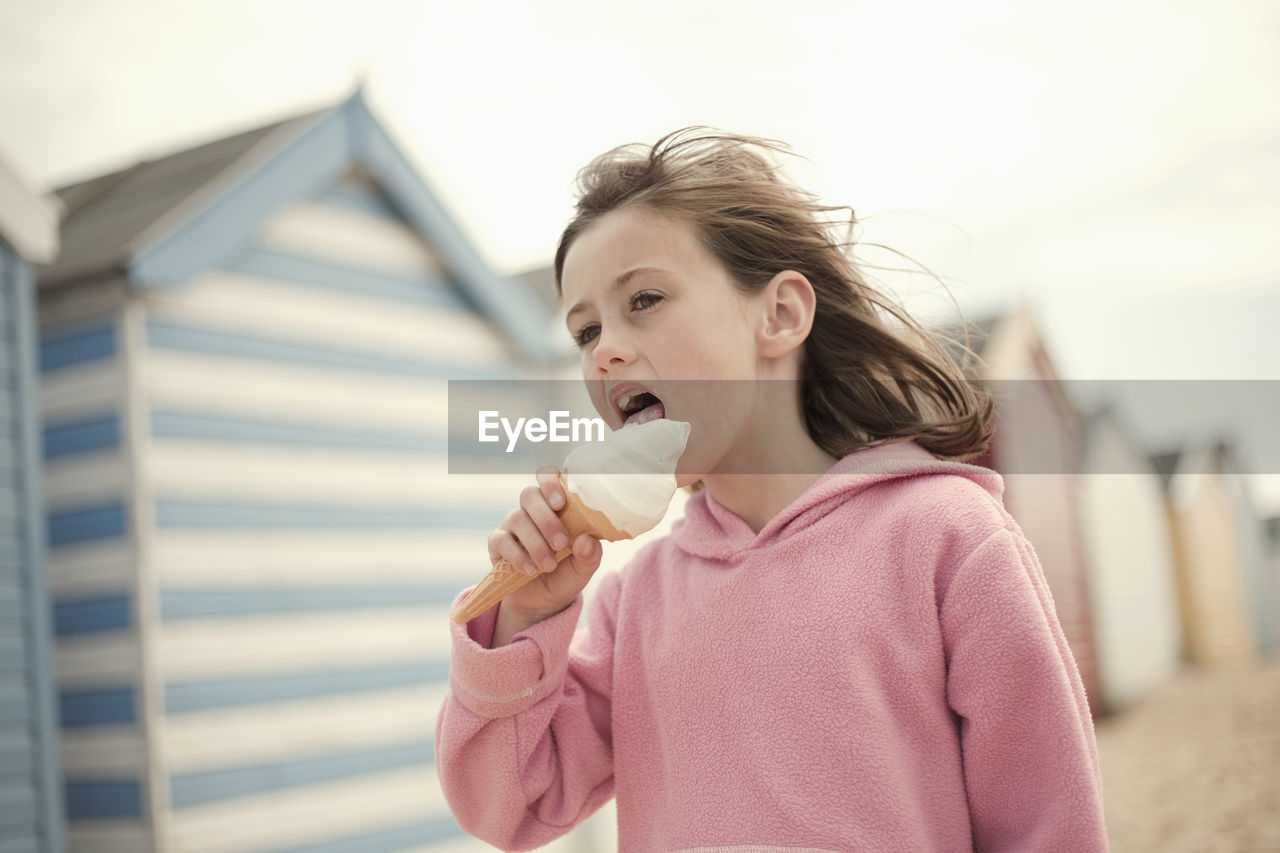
{"points": [[106, 216], [28, 222], [162, 221]]}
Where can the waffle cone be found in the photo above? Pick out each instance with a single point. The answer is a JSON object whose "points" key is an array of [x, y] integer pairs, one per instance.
{"points": [[504, 579]]}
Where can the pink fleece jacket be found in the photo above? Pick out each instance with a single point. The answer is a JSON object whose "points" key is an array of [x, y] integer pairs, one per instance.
{"points": [[879, 668]]}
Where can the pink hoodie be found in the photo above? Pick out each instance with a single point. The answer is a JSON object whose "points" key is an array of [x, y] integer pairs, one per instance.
{"points": [[879, 668]]}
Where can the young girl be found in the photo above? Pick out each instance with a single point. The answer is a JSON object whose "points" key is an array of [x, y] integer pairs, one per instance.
{"points": [[846, 643]]}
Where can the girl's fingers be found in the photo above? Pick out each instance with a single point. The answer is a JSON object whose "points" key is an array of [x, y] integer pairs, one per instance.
{"points": [[549, 484], [504, 546], [534, 502], [531, 534], [541, 554]]}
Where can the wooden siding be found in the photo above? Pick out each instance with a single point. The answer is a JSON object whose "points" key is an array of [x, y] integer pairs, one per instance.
{"points": [[31, 796], [330, 675], [292, 311], [348, 235], [97, 662]]}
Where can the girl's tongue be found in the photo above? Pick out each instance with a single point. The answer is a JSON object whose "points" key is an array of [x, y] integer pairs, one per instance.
{"points": [[648, 413]]}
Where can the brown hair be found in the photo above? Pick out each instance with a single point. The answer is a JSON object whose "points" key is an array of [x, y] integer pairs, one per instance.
{"points": [[862, 381]]}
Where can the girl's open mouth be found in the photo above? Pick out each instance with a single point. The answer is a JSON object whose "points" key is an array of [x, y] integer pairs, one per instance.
{"points": [[642, 407]]}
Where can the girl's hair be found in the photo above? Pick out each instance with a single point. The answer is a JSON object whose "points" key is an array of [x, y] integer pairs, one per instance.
{"points": [[862, 381]]}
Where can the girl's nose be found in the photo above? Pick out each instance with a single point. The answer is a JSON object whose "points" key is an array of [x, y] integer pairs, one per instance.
{"points": [[612, 350]]}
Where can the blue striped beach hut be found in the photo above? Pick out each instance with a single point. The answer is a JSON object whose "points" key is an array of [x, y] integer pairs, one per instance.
{"points": [[244, 350], [31, 807]]}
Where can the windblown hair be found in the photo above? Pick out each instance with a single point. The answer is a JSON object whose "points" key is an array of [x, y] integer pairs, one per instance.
{"points": [[862, 380]]}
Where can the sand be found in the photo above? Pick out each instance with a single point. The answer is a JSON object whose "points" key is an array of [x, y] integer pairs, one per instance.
{"points": [[1195, 765]]}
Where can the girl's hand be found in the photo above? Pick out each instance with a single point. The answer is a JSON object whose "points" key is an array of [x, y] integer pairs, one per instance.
{"points": [[529, 538]]}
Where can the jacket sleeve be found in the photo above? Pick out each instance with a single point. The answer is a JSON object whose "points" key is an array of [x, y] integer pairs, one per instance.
{"points": [[524, 740], [1026, 736]]}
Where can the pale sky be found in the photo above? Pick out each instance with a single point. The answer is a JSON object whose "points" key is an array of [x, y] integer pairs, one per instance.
{"points": [[1117, 163]]}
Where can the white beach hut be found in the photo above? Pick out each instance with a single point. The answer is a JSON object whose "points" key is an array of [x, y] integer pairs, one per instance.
{"points": [[1130, 563]]}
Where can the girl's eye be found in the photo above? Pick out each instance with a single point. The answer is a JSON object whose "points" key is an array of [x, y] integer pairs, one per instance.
{"points": [[585, 335], [639, 302], [647, 297]]}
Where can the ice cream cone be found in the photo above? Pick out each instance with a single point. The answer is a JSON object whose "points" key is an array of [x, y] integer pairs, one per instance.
{"points": [[504, 579]]}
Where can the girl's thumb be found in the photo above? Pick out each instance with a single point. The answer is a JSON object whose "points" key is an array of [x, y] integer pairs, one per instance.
{"points": [[586, 553]]}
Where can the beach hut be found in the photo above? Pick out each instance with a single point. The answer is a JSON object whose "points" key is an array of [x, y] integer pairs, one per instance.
{"points": [[1036, 448], [1129, 561], [1217, 549], [31, 796], [245, 348]]}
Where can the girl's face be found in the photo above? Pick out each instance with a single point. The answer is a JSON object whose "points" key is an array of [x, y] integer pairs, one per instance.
{"points": [[648, 304]]}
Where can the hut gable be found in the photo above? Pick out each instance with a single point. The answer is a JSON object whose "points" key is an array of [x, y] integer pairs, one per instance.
{"points": [[1104, 420]]}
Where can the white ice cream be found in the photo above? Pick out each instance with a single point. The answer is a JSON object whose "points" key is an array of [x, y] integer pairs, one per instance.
{"points": [[630, 476]]}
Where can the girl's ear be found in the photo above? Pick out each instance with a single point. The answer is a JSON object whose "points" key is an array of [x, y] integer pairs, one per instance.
{"points": [[788, 307]]}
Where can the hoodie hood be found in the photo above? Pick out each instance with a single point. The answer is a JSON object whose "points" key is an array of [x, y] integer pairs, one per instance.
{"points": [[708, 529]]}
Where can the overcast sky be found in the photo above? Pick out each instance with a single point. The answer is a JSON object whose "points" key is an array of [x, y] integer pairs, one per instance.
{"points": [[1117, 162]]}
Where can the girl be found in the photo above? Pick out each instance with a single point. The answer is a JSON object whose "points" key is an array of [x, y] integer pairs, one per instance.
{"points": [[846, 643]]}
